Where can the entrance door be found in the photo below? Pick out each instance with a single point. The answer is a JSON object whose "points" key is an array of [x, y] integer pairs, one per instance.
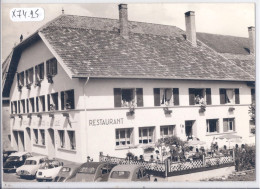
{"points": [[51, 143], [28, 140], [21, 141], [188, 128]]}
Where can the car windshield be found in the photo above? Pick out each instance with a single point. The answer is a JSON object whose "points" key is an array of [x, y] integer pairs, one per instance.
{"points": [[87, 170], [30, 162], [49, 165], [120, 174], [13, 158]]}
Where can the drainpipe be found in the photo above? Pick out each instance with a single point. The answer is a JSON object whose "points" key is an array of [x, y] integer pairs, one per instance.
{"points": [[85, 108]]}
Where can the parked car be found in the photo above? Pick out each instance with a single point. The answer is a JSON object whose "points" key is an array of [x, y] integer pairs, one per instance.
{"points": [[30, 166], [67, 172], [127, 173], [7, 153], [92, 172], [15, 160], [48, 170]]}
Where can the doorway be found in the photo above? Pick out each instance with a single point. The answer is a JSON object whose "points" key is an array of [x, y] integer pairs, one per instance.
{"points": [[189, 129], [51, 143]]}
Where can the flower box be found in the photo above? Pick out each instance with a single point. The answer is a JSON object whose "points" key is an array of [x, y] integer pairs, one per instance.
{"points": [[29, 116], [50, 80], [231, 109], [167, 111]]}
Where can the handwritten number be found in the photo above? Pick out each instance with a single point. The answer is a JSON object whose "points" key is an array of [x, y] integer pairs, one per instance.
{"points": [[13, 13]]}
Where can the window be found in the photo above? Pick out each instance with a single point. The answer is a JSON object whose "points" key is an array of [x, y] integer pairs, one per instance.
{"points": [[53, 102], [29, 76], [167, 131], [20, 79], [39, 72], [146, 135], [229, 96], [23, 105], [51, 67], [40, 103], [42, 132], [252, 96], [124, 137], [199, 96], [212, 126], [228, 124], [67, 99], [72, 140], [166, 96], [62, 138], [31, 108], [36, 139], [128, 97], [14, 107]]}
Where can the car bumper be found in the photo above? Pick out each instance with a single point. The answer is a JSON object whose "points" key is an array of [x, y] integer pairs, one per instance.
{"points": [[9, 169]]}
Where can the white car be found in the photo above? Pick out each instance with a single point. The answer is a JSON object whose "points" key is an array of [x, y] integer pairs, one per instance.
{"points": [[30, 166], [48, 170]]}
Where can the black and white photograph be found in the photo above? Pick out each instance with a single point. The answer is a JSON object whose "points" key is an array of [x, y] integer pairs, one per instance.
{"points": [[126, 93]]}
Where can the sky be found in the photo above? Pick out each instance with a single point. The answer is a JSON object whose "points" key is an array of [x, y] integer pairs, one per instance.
{"points": [[217, 18]]}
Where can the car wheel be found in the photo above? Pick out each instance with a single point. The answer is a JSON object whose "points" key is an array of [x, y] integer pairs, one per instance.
{"points": [[39, 180]]}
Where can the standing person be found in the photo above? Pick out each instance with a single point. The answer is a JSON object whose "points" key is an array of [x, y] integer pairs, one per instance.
{"points": [[237, 158]]}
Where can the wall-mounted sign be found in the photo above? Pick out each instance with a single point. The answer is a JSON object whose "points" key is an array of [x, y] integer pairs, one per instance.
{"points": [[97, 122]]}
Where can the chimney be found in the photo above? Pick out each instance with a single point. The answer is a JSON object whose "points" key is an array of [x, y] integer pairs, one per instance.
{"points": [[123, 21], [251, 32], [190, 27]]}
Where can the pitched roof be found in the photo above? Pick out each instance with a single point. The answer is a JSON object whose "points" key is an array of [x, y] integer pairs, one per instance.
{"points": [[92, 47]]}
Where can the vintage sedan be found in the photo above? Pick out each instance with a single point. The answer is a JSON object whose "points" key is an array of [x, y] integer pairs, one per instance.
{"points": [[48, 170], [30, 167], [92, 172], [7, 153], [67, 172], [15, 160], [127, 173]]}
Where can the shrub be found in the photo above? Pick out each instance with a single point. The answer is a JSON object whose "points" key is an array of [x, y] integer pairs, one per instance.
{"points": [[246, 157], [149, 149]]}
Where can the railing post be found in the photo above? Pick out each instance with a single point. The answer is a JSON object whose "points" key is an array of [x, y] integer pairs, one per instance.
{"points": [[233, 155], [203, 160]]}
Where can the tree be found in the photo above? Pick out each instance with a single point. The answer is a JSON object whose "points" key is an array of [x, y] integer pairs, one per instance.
{"points": [[251, 112]]}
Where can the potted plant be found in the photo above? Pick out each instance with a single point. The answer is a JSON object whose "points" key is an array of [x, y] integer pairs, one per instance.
{"points": [[38, 82], [49, 77], [28, 86], [131, 109], [20, 87], [166, 110], [231, 109]]}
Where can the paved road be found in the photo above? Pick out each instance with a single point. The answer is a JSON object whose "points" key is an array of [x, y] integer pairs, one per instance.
{"points": [[12, 177]]}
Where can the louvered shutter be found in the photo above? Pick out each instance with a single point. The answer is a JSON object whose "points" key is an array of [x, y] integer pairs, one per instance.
{"points": [[117, 97], [225, 125], [217, 126], [36, 72], [139, 96], [176, 96], [191, 96], [237, 100], [18, 83], [222, 94], [72, 100], [156, 93], [234, 125], [208, 96], [27, 105], [37, 104], [48, 100]]}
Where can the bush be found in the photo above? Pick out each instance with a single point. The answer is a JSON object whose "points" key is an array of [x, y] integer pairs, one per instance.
{"points": [[245, 156], [148, 149]]}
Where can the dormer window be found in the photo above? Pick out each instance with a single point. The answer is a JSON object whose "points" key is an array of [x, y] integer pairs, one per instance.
{"points": [[67, 99], [29, 77], [229, 96], [51, 67]]}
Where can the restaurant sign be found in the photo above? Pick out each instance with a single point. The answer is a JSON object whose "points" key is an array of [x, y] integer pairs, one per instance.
{"points": [[97, 122]]}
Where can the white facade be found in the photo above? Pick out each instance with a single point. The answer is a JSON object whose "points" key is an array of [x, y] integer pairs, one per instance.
{"points": [[95, 119]]}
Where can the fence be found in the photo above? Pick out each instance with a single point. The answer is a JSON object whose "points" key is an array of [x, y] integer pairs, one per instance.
{"points": [[169, 168]]}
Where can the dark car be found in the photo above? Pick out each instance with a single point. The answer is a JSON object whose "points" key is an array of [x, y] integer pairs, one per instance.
{"points": [[7, 153], [15, 160], [92, 172], [67, 172]]}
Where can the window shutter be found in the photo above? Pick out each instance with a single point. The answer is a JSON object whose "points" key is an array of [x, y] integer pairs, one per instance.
{"points": [[191, 96], [41, 71], [225, 125], [19, 110], [12, 110], [18, 83], [47, 68], [31, 75], [54, 66], [139, 96], [176, 96], [36, 72], [237, 100], [217, 128], [234, 125], [72, 99], [37, 104], [62, 101], [252, 95], [48, 100], [117, 97], [208, 96], [222, 94], [156, 92]]}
